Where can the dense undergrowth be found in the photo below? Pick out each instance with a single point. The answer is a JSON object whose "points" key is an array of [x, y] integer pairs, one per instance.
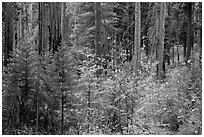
{"points": [[114, 102], [173, 106]]}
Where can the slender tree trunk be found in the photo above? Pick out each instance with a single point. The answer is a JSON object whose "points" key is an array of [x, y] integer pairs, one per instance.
{"points": [[19, 28], [43, 27], [53, 26], [184, 50], [161, 41], [14, 36], [119, 114], [157, 36], [114, 54], [177, 50], [130, 35], [20, 23], [193, 31], [39, 51], [30, 25], [62, 94], [58, 25], [132, 111], [37, 113], [127, 115], [62, 21], [75, 25], [200, 55], [40, 28], [62, 111], [8, 32], [136, 61], [98, 29], [189, 31], [26, 22], [173, 54], [177, 38], [50, 26], [89, 107]]}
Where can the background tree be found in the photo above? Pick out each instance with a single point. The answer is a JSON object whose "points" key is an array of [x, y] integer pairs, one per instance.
{"points": [[136, 61], [8, 31], [161, 69], [98, 28], [62, 42], [189, 30]]}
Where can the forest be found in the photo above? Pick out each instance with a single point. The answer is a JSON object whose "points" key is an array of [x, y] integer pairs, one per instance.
{"points": [[101, 68]]}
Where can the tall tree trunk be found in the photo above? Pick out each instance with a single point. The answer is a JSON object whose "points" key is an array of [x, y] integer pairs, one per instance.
{"points": [[75, 25], [20, 23], [132, 110], [193, 31], [89, 107], [161, 66], [137, 44], [114, 54], [8, 32], [54, 26], [14, 36], [200, 55], [98, 29], [19, 28], [26, 20], [43, 27], [37, 112], [62, 21], [40, 28], [173, 54], [120, 121], [184, 49], [56, 35], [189, 31], [58, 25], [62, 107], [127, 115], [39, 52], [62, 94], [130, 39], [177, 52], [67, 28], [177, 38], [30, 25], [50, 26], [157, 35]]}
